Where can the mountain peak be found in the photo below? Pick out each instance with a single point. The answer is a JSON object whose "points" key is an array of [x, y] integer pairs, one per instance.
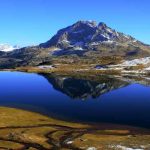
{"points": [[90, 23], [85, 35], [102, 25]]}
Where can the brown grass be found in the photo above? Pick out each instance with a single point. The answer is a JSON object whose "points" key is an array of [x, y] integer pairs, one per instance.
{"points": [[19, 128]]}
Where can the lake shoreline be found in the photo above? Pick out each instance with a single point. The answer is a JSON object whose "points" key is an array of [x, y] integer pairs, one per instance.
{"points": [[65, 119], [69, 70], [67, 135], [46, 122]]}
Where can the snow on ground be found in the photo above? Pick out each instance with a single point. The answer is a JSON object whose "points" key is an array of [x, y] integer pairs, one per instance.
{"points": [[46, 67], [135, 62], [124, 147], [56, 49], [90, 23], [126, 36], [69, 142], [117, 34], [65, 41], [7, 48], [147, 69], [105, 36], [106, 42], [109, 30], [91, 148], [133, 71], [134, 41], [78, 48], [95, 43], [109, 42], [131, 63]]}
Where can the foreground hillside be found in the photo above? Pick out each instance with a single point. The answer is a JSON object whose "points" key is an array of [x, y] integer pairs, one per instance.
{"points": [[22, 130]]}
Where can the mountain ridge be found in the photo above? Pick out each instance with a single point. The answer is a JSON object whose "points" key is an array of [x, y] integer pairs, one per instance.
{"points": [[88, 31], [84, 41]]}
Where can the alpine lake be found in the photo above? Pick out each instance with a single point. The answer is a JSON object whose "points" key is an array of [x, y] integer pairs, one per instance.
{"points": [[78, 112]]}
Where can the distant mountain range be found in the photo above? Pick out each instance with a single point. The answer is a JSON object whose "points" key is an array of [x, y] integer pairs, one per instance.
{"points": [[84, 40], [7, 47]]}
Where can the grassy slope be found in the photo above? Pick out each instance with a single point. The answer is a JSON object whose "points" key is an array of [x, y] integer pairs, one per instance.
{"points": [[26, 130]]}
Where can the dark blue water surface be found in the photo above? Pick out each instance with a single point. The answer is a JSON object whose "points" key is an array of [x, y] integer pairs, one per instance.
{"points": [[106, 100]]}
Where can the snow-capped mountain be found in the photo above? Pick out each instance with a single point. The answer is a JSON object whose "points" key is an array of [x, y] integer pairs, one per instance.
{"points": [[83, 42], [7, 47], [87, 35]]}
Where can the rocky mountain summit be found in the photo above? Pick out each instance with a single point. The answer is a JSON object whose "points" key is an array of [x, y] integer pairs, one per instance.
{"points": [[84, 34], [85, 42], [90, 36]]}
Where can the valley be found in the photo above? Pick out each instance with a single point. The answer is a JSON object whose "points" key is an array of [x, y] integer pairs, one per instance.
{"points": [[74, 75], [82, 66]]}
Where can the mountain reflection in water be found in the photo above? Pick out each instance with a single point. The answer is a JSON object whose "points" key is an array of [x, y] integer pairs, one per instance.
{"points": [[84, 89], [97, 99]]}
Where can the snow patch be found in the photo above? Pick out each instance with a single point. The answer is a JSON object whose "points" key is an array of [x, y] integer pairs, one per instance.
{"points": [[135, 62], [126, 36], [134, 41], [105, 36], [7, 48], [46, 67], [126, 148], [94, 43], [117, 34], [69, 142], [56, 48], [90, 23], [106, 42], [109, 41], [64, 41], [109, 30], [147, 69], [78, 48], [91, 148]]}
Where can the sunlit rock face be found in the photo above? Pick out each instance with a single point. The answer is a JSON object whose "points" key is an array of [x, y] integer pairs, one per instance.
{"points": [[85, 33], [91, 40]]}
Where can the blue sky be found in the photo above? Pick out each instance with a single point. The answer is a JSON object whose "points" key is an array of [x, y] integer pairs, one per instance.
{"points": [[26, 22]]}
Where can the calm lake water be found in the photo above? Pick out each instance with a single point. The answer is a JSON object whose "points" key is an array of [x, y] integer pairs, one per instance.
{"points": [[122, 100]]}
